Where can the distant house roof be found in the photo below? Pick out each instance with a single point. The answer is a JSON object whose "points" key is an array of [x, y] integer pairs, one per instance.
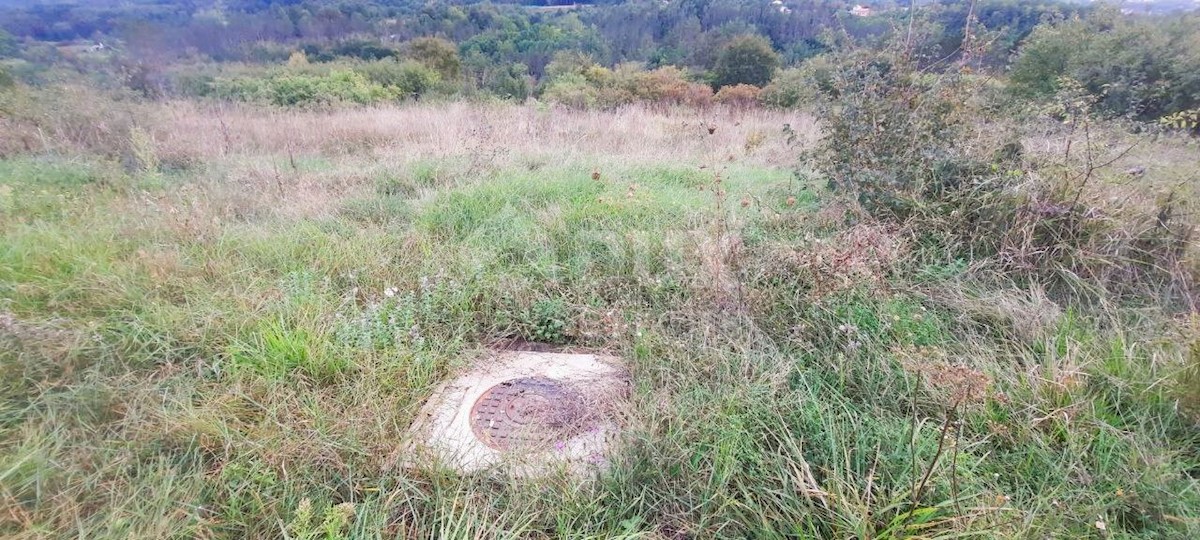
{"points": [[860, 11]]}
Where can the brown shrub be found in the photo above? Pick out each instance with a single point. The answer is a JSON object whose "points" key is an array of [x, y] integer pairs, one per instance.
{"points": [[742, 96], [664, 86], [598, 87], [698, 95]]}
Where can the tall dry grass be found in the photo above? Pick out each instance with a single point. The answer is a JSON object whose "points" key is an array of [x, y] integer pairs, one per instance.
{"points": [[194, 132]]}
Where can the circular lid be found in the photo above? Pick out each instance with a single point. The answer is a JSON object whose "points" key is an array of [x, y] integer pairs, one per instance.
{"points": [[528, 412]]}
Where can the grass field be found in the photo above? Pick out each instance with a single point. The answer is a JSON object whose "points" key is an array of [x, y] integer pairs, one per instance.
{"points": [[227, 333]]}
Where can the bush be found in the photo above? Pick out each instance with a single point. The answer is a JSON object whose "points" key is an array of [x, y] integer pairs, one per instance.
{"points": [[577, 92], [407, 79], [800, 86], [567, 63], [740, 96], [363, 50], [509, 82], [665, 85], [343, 86], [301, 83], [888, 133], [578, 83], [914, 149], [787, 90], [698, 95]]}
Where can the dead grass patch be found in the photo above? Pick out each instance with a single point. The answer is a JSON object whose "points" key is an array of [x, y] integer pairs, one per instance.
{"points": [[193, 132]]}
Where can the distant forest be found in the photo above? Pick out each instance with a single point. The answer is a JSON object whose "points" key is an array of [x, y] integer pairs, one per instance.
{"points": [[1131, 61], [685, 33]]}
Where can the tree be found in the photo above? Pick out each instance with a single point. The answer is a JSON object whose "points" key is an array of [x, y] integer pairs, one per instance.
{"points": [[745, 59]]}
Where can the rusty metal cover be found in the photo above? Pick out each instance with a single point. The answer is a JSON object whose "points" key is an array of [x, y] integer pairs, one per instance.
{"points": [[528, 412]]}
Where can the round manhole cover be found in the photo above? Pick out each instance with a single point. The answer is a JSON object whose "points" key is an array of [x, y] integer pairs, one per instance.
{"points": [[526, 412]]}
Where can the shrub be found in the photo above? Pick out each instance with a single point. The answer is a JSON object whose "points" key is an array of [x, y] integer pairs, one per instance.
{"points": [[665, 85], [266, 52], [194, 84], [569, 63], [698, 95], [408, 78], [800, 86], [342, 86], [297, 59], [576, 91], [363, 50], [509, 82], [902, 143], [740, 95], [573, 79], [579, 84], [888, 133], [787, 90]]}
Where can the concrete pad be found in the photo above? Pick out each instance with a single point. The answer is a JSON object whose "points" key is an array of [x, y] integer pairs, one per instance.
{"points": [[534, 412]]}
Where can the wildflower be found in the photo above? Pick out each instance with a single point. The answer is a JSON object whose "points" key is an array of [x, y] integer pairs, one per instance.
{"points": [[390, 292], [1101, 525]]}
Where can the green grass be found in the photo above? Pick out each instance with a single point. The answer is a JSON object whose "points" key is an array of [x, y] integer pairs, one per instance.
{"points": [[249, 377]]}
